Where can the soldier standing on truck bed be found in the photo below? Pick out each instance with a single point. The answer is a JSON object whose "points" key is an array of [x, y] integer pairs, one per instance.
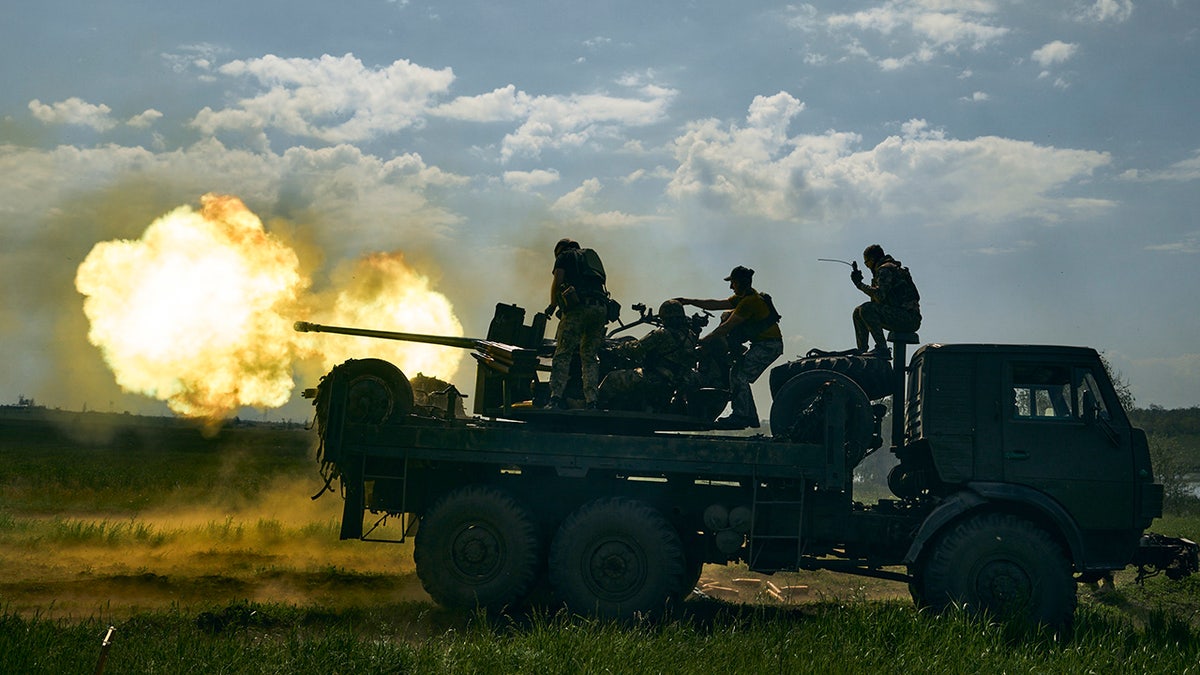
{"points": [[578, 290], [895, 303], [753, 319]]}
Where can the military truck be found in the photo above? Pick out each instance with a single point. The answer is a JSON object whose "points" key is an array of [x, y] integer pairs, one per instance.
{"points": [[1018, 476]]}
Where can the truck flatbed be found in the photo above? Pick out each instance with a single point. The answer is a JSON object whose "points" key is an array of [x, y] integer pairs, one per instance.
{"points": [[522, 445]]}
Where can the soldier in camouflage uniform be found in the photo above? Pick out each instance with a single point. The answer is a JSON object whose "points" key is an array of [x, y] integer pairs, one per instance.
{"points": [[895, 303], [583, 300], [668, 367]]}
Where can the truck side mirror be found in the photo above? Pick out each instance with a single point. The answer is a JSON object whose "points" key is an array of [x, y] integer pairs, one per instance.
{"points": [[1089, 408]]}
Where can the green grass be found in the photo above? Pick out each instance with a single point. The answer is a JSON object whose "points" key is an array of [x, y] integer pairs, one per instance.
{"points": [[829, 638], [27, 532], [49, 473]]}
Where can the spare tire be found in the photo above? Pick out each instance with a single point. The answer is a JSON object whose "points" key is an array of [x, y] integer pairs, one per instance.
{"points": [[872, 374], [377, 392], [798, 412]]}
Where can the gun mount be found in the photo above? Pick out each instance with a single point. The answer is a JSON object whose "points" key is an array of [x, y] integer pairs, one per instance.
{"points": [[508, 360], [507, 383]]}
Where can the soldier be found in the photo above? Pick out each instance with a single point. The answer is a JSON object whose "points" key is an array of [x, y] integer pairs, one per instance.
{"points": [[668, 367], [753, 319], [578, 291], [895, 303]]}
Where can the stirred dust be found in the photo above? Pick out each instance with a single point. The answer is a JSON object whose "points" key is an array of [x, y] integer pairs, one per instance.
{"points": [[282, 548]]}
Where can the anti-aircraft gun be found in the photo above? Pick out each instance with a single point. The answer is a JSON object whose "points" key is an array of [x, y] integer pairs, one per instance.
{"points": [[507, 365], [507, 384]]}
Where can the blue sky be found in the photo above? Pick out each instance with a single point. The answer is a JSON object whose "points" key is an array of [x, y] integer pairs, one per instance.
{"points": [[1034, 164]]}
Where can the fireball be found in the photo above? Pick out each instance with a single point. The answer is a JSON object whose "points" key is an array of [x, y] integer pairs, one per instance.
{"points": [[381, 291], [198, 312]]}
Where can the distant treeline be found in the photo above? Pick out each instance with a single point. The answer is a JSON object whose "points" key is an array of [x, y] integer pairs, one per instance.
{"points": [[1158, 420]]}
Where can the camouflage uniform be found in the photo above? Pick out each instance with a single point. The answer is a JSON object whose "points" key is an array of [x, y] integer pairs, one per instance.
{"points": [[668, 372], [579, 291], [746, 371], [581, 331], [895, 304]]}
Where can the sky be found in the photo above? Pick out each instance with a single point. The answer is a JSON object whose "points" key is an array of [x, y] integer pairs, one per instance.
{"points": [[1034, 164]]}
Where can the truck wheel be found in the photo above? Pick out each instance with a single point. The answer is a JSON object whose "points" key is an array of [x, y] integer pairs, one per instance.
{"points": [[1001, 565], [376, 391], [477, 547], [798, 415], [615, 558]]}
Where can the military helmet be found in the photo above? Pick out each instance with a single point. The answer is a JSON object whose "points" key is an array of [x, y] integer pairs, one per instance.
{"points": [[671, 309], [564, 244]]}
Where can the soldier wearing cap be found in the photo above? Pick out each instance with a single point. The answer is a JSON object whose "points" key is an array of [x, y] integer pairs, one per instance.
{"points": [[753, 318]]}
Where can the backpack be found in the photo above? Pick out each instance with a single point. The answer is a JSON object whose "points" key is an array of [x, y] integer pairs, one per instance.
{"points": [[903, 293], [751, 329], [589, 282], [590, 267]]}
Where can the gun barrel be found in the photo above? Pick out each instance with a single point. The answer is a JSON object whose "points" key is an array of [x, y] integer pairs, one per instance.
{"points": [[444, 340]]}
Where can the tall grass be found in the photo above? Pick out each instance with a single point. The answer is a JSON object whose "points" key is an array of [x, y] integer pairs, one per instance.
{"points": [[869, 637], [26, 532]]}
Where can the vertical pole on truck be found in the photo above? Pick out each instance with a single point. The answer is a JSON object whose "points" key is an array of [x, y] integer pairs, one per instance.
{"points": [[899, 357]]}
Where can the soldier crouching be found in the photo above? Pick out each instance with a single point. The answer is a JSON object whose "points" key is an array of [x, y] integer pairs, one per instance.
{"points": [[667, 372]]}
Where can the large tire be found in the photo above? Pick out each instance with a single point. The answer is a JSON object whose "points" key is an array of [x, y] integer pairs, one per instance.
{"points": [[1003, 566], [872, 374], [616, 558], [798, 414], [376, 391], [477, 547]]}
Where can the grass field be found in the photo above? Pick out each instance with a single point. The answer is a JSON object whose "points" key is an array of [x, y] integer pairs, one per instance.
{"points": [[208, 555]]}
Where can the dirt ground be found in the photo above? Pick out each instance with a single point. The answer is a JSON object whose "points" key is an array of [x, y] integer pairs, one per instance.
{"points": [[78, 585]]}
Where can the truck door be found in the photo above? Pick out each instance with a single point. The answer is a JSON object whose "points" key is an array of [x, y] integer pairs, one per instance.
{"points": [[1059, 438]]}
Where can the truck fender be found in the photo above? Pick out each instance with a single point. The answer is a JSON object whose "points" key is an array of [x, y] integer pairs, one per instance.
{"points": [[978, 494]]}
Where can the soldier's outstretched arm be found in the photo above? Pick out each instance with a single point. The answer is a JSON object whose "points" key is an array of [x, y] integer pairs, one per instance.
{"points": [[721, 303]]}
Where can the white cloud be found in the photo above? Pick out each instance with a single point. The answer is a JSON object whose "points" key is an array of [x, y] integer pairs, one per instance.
{"points": [[145, 119], [1106, 10], [1182, 171], [578, 207], [498, 105], [1190, 243], [527, 181], [198, 57], [976, 97], [757, 169], [333, 99], [74, 111], [920, 29], [554, 122], [370, 203], [1054, 53]]}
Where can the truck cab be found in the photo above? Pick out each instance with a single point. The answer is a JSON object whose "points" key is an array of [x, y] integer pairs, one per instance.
{"points": [[1037, 429]]}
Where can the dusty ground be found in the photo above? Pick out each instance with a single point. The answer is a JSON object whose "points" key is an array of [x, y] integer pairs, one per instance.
{"points": [[83, 582]]}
